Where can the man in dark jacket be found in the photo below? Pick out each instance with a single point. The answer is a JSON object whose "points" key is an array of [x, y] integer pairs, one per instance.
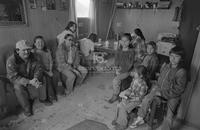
{"points": [[25, 73]]}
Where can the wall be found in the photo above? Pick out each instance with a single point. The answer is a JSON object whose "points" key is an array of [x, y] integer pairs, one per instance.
{"points": [[190, 37], [148, 20], [104, 12], [193, 115], [189, 21]]}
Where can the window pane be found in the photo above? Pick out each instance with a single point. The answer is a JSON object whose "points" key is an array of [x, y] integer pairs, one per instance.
{"points": [[82, 8]]}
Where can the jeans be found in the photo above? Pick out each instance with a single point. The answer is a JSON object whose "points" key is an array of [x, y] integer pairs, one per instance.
{"points": [[117, 82], [69, 77], [25, 93]]}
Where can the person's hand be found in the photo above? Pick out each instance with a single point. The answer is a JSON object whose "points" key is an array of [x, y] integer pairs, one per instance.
{"points": [[77, 72], [38, 84], [50, 73], [158, 93], [118, 71], [35, 82]]}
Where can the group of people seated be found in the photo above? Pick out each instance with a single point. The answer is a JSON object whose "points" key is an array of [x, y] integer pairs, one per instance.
{"points": [[31, 70], [139, 60]]}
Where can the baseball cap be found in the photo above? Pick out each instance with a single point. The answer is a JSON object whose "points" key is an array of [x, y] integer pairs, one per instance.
{"points": [[23, 44]]}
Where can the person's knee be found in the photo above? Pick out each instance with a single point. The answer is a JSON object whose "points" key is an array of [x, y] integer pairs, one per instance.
{"points": [[83, 70], [71, 76], [18, 87]]}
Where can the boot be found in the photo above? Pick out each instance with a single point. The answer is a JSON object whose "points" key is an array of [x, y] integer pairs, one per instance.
{"points": [[113, 99]]}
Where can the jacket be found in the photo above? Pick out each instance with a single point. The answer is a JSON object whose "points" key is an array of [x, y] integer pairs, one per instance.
{"points": [[62, 57], [124, 60], [19, 72], [172, 81]]}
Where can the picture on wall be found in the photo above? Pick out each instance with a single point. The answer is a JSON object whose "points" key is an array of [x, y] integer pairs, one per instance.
{"points": [[64, 4], [12, 12], [33, 4], [50, 4]]}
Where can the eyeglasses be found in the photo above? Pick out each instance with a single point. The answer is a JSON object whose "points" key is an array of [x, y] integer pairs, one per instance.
{"points": [[70, 40], [26, 50]]}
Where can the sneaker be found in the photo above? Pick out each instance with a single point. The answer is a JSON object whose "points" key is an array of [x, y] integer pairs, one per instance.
{"points": [[27, 112], [46, 102], [139, 121], [53, 98], [114, 122]]}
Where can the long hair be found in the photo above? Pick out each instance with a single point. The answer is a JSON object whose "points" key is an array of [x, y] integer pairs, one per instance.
{"points": [[179, 51], [142, 71], [42, 38], [69, 25], [93, 37], [139, 33]]}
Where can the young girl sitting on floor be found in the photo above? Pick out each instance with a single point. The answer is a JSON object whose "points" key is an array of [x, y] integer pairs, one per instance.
{"points": [[132, 97]]}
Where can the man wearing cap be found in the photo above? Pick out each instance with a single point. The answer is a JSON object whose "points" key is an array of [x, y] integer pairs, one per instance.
{"points": [[25, 73]]}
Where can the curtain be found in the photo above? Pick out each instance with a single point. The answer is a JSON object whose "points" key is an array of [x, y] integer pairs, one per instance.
{"points": [[72, 13], [93, 15]]}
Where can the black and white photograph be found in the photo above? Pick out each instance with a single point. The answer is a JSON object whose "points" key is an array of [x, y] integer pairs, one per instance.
{"points": [[12, 12], [33, 4], [51, 4], [99, 65], [64, 4]]}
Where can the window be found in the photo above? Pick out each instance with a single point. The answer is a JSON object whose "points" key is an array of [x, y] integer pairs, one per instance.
{"points": [[82, 8]]}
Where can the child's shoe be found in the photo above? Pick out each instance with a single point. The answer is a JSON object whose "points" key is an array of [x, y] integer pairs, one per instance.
{"points": [[139, 121]]}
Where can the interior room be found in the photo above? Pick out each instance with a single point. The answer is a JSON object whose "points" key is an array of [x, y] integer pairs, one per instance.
{"points": [[99, 65]]}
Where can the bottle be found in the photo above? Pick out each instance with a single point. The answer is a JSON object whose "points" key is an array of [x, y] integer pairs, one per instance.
{"points": [[106, 44]]}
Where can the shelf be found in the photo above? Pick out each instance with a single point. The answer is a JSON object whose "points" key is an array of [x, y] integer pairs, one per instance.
{"points": [[147, 5], [141, 8]]}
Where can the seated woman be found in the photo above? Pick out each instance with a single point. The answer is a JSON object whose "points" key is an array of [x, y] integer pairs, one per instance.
{"points": [[44, 57], [87, 48], [132, 97], [151, 60], [68, 63], [170, 85], [124, 60]]}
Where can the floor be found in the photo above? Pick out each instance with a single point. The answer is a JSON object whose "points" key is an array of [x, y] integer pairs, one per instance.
{"points": [[87, 102]]}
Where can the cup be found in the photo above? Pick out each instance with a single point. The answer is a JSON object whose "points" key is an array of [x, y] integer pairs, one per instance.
{"points": [[115, 45], [99, 40]]}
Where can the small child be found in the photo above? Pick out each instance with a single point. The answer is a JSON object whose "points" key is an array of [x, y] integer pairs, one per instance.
{"points": [[132, 97], [151, 61], [170, 85], [44, 57]]}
